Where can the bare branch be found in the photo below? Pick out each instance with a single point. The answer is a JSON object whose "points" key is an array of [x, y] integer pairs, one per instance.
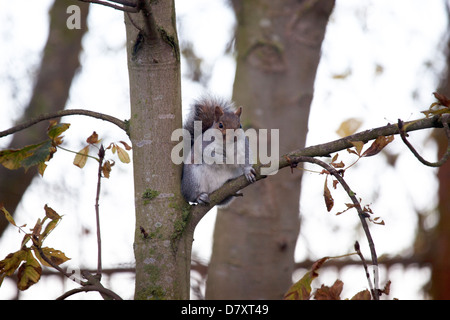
{"points": [[417, 155], [121, 124], [106, 293], [125, 5], [151, 30]]}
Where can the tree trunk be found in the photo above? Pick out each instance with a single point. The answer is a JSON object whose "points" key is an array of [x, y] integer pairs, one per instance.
{"points": [[278, 45], [58, 67], [162, 248]]}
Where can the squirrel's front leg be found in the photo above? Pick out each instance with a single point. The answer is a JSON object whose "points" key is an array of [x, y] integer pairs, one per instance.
{"points": [[203, 198], [250, 174]]}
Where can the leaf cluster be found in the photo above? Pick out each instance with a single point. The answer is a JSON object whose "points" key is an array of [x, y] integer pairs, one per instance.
{"points": [[36, 154], [92, 142], [376, 146], [302, 289], [28, 261]]}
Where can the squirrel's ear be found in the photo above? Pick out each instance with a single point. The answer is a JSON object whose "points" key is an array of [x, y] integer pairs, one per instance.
{"points": [[238, 112], [218, 112]]}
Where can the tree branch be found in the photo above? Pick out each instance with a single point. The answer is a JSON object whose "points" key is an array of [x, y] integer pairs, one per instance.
{"points": [[417, 155], [151, 30], [321, 150], [70, 112], [127, 6]]}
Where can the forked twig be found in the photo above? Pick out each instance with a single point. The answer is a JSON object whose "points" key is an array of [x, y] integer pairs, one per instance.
{"points": [[444, 158], [362, 215]]}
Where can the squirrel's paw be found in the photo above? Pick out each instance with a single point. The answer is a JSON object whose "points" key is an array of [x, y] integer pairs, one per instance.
{"points": [[203, 198], [250, 174]]}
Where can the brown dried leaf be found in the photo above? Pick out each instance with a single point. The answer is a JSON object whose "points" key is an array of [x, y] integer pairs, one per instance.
{"points": [[51, 214], [106, 168], [335, 182], [93, 138], [443, 100], [362, 295], [327, 293], [127, 147], [335, 157], [329, 201], [387, 288], [378, 145], [358, 146], [338, 165]]}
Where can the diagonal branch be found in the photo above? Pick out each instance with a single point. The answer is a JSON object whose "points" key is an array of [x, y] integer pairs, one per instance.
{"points": [[58, 114], [321, 150]]}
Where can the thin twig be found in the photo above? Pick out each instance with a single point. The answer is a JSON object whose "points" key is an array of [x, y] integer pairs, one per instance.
{"points": [[417, 155], [127, 6], [358, 251], [362, 215], [101, 156], [62, 113]]}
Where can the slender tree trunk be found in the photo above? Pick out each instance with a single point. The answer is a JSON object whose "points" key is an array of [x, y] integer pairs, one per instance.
{"points": [[162, 247], [278, 45], [51, 90]]}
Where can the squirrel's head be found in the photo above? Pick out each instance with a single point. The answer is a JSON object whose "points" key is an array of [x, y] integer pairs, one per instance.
{"points": [[226, 120]]}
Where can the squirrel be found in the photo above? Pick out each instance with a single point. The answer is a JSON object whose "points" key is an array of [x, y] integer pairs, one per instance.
{"points": [[200, 179]]}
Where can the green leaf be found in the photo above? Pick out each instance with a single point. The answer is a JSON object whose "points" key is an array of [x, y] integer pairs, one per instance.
{"points": [[28, 156], [12, 262], [41, 153], [55, 130], [301, 290]]}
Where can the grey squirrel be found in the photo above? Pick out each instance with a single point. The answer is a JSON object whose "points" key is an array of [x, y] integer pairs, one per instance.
{"points": [[200, 179]]}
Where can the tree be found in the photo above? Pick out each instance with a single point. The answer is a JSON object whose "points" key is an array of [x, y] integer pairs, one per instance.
{"points": [[278, 45]]}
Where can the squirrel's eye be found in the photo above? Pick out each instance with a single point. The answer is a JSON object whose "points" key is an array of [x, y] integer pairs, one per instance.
{"points": [[240, 126], [220, 125]]}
